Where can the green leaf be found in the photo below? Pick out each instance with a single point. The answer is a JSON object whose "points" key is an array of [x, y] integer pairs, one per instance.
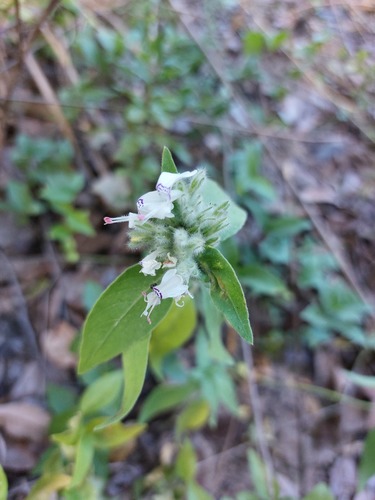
{"points": [[226, 291], [258, 474], [286, 225], [246, 164], [60, 398], [102, 392], [315, 315], [263, 281], [213, 320], [356, 334], [48, 484], [367, 462], [62, 187], [78, 221], [320, 492], [163, 398], [359, 379], [213, 194], [3, 485], [276, 248], [115, 321], [186, 463], [315, 264], [274, 42], [254, 43], [339, 301], [20, 199], [84, 459], [179, 320], [117, 434], [134, 362], [91, 293], [167, 162], [226, 389], [193, 416], [196, 492]]}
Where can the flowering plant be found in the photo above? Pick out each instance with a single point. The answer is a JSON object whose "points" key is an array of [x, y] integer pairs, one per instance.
{"points": [[179, 226]]}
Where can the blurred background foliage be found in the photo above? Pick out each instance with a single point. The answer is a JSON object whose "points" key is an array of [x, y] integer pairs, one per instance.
{"points": [[276, 100]]}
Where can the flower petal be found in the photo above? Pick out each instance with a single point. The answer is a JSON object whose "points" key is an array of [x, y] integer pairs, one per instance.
{"points": [[167, 180]]}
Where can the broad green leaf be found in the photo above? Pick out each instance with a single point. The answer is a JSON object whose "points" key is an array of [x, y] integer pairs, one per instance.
{"points": [[320, 492], [134, 363], [359, 379], [213, 194], [173, 331], [226, 291], [367, 462], [3, 485], [263, 281], [48, 484], [167, 162], [163, 398], [186, 463], [115, 321], [84, 459], [102, 392], [117, 434], [194, 416]]}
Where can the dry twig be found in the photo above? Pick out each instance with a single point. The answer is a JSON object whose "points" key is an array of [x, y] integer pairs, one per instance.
{"points": [[23, 49]]}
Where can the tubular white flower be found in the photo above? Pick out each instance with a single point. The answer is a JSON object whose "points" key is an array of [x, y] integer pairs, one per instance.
{"points": [[171, 286], [167, 180], [156, 205], [150, 264], [131, 218]]}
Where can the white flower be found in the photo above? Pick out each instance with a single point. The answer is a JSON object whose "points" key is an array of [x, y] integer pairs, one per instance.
{"points": [[167, 180], [170, 262], [171, 286], [156, 205], [150, 264], [131, 218]]}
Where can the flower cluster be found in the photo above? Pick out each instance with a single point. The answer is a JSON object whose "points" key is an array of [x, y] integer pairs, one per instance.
{"points": [[174, 225]]}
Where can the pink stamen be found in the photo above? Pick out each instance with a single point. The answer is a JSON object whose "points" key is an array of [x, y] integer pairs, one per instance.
{"points": [[108, 220]]}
